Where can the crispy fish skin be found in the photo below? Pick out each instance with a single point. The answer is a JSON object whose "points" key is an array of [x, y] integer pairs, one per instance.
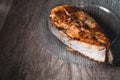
{"points": [[78, 30]]}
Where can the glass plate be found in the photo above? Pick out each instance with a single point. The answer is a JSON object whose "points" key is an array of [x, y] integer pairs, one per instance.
{"points": [[105, 18]]}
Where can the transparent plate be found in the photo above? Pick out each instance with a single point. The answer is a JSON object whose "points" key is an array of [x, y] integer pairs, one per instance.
{"points": [[105, 18]]}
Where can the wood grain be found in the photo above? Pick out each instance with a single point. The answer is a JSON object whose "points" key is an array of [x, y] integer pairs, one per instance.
{"points": [[4, 8], [23, 55]]}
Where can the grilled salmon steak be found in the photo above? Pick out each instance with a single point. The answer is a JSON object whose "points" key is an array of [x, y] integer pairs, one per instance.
{"points": [[79, 31]]}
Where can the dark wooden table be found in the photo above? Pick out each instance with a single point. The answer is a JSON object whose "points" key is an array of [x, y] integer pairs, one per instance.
{"points": [[24, 57]]}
